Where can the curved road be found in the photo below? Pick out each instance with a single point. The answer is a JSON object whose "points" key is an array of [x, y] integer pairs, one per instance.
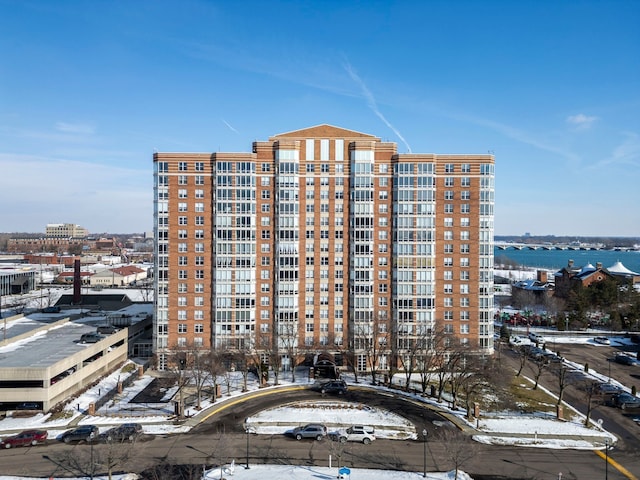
{"points": [[221, 438]]}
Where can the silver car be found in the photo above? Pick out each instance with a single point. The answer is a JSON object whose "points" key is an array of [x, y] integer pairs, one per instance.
{"points": [[312, 430]]}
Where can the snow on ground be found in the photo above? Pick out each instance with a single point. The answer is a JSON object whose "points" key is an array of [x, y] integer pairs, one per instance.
{"points": [[295, 472], [541, 430]]}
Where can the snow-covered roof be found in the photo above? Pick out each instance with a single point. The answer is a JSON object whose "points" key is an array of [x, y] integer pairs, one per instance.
{"points": [[619, 269]]}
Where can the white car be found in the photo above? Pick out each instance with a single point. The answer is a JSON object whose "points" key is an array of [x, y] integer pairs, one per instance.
{"points": [[536, 338], [602, 340], [356, 433]]}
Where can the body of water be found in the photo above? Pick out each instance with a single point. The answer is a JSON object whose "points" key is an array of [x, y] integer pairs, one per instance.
{"points": [[556, 259]]}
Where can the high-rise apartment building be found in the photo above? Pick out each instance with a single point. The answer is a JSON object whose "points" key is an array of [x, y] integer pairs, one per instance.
{"points": [[322, 239]]}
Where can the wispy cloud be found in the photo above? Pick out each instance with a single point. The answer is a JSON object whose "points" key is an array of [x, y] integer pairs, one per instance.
{"points": [[371, 101], [627, 153], [75, 128], [229, 126], [581, 121], [518, 135]]}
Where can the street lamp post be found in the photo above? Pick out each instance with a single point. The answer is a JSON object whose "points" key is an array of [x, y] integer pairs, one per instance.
{"points": [[424, 452], [246, 429], [606, 459]]}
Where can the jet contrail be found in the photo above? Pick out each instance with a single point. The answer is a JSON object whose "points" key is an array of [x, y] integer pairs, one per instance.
{"points": [[371, 101], [230, 127]]}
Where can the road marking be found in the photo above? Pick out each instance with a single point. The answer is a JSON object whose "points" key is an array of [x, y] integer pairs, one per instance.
{"points": [[616, 465]]}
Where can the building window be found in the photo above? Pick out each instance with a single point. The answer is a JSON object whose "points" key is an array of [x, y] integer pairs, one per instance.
{"points": [[448, 288], [182, 234], [182, 179], [182, 193], [182, 328], [199, 179], [182, 166], [448, 182], [448, 208], [465, 208], [198, 328], [182, 274], [182, 206], [182, 261], [182, 220]]}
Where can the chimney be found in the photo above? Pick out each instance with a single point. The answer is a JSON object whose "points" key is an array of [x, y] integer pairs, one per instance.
{"points": [[570, 264], [542, 276], [77, 283], [599, 265]]}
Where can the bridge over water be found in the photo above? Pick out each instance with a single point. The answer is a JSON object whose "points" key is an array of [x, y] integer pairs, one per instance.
{"points": [[559, 246]]}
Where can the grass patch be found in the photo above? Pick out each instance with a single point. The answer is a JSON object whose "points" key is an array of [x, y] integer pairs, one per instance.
{"points": [[529, 400], [61, 415]]}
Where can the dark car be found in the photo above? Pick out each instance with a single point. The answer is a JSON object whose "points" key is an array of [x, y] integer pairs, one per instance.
{"points": [[106, 329], [51, 310], [607, 389], [625, 400], [625, 359], [84, 432], [338, 387], [91, 338], [121, 433], [312, 430], [26, 438]]}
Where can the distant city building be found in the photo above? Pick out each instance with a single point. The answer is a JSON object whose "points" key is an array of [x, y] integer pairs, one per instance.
{"points": [[323, 239], [120, 276], [66, 230]]}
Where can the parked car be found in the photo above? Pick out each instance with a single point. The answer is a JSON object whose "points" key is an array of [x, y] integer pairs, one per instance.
{"points": [[602, 340], [121, 433], [534, 337], [106, 329], [635, 338], [312, 430], [25, 438], [84, 432], [607, 389], [625, 400], [625, 359], [51, 310], [356, 433], [334, 386], [91, 338]]}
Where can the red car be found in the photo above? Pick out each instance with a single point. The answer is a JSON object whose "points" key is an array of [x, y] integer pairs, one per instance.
{"points": [[28, 437]]}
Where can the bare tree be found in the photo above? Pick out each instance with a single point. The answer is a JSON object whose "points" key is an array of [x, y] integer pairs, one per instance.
{"points": [[561, 373], [538, 367], [588, 388], [411, 349], [522, 360], [458, 447], [216, 368], [179, 369], [373, 339], [97, 459], [287, 342]]}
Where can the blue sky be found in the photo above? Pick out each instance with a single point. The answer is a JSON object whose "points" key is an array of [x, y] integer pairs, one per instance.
{"points": [[89, 89]]}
